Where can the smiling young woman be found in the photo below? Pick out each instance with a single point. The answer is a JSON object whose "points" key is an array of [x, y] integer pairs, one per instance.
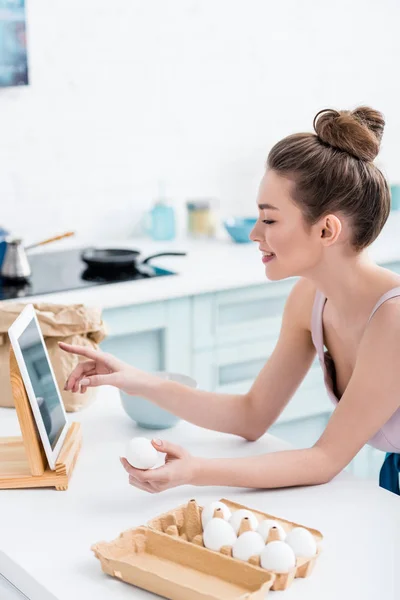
{"points": [[322, 202]]}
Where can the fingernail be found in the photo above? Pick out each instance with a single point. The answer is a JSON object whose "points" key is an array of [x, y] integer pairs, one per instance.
{"points": [[157, 442], [85, 381]]}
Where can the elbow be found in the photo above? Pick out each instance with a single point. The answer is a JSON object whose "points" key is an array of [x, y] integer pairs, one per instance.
{"points": [[254, 427], [252, 436], [325, 478], [325, 469], [254, 433]]}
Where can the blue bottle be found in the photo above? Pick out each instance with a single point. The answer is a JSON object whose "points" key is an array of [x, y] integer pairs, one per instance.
{"points": [[3, 244], [395, 194], [162, 221]]}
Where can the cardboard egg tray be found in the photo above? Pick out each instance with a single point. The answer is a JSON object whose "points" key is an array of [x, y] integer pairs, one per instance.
{"points": [[168, 558], [175, 569]]}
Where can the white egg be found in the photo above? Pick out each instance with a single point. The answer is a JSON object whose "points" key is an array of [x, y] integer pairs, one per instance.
{"points": [[277, 556], [218, 533], [238, 517], [208, 512], [250, 543], [265, 526], [141, 454], [302, 542]]}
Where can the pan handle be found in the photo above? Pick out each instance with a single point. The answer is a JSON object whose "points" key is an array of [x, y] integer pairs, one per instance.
{"points": [[146, 260]]}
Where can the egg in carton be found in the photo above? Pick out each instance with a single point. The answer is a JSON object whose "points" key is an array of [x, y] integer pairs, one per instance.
{"points": [[185, 523]]}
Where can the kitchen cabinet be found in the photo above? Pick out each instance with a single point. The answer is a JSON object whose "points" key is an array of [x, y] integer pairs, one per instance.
{"points": [[234, 316], [155, 336], [223, 339]]}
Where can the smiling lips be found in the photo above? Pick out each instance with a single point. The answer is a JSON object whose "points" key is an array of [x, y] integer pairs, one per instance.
{"points": [[267, 256]]}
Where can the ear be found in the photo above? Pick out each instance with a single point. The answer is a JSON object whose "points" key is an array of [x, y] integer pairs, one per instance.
{"points": [[330, 229]]}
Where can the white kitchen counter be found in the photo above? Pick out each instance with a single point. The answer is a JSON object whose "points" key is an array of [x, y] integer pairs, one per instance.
{"points": [[45, 536], [209, 266]]}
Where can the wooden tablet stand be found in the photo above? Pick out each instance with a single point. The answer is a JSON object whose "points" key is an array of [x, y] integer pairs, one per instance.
{"points": [[23, 463]]}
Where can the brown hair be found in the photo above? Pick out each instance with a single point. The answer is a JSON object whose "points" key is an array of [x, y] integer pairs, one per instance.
{"points": [[333, 170]]}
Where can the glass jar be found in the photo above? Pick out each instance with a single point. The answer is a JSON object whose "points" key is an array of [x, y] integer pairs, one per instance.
{"points": [[161, 221], [201, 221]]}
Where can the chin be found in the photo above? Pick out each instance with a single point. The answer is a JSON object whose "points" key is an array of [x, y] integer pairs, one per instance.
{"points": [[277, 274]]}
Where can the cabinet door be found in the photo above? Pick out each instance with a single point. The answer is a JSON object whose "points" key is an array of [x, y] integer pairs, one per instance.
{"points": [[136, 335], [153, 337], [144, 350], [233, 369], [238, 315], [301, 433], [311, 397]]}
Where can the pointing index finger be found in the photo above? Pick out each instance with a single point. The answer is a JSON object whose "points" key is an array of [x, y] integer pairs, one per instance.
{"points": [[80, 350]]}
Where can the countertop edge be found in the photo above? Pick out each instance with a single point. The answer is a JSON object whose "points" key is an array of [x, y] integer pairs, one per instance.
{"points": [[23, 581]]}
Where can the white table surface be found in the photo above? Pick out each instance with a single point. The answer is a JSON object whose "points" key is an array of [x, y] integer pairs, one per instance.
{"points": [[45, 535], [209, 266]]}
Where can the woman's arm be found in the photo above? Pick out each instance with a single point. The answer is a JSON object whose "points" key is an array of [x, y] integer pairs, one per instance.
{"points": [[371, 398], [274, 470], [248, 415], [251, 414]]}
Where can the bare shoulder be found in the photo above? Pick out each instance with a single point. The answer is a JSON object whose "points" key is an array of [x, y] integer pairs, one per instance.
{"points": [[300, 302], [381, 339], [386, 320], [378, 359]]}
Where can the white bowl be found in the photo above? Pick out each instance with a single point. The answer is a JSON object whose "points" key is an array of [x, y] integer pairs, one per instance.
{"points": [[149, 415]]}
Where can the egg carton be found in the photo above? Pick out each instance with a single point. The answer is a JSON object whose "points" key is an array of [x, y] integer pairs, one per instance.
{"points": [[184, 523], [178, 570]]}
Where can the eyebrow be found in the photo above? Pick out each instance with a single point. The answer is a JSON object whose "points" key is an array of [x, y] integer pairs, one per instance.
{"points": [[267, 206]]}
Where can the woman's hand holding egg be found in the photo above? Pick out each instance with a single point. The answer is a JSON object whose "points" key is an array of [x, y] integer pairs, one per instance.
{"points": [[179, 469], [141, 454]]}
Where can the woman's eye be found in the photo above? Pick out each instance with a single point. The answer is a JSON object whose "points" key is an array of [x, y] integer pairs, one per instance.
{"points": [[268, 221]]}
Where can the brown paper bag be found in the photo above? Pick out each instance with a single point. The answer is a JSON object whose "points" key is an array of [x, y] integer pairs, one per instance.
{"points": [[73, 324]]}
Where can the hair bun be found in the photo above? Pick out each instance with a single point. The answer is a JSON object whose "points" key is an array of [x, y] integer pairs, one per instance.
{"points": [[358, 132]]}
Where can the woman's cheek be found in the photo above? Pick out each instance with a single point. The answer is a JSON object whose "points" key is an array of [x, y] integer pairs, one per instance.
{"points": [[275, 240]]}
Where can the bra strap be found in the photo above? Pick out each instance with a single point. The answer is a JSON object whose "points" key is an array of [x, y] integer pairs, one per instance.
{"points": [[393, 293]]}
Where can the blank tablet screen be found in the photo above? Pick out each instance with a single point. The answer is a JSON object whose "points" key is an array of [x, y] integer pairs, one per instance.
{"points": [[42, 382]]}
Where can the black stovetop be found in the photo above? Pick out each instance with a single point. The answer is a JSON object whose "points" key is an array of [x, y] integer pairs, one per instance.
{"points": [[64, 270]]}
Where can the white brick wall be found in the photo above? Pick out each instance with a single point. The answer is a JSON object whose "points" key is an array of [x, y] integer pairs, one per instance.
{"points": [[124, 92]]}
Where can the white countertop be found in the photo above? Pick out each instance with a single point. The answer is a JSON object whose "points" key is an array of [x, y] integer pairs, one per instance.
{"points": [[45, 536], [209, 266]]}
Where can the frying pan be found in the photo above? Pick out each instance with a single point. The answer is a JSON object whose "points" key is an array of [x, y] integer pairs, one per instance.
{"points": [[107, 259]]}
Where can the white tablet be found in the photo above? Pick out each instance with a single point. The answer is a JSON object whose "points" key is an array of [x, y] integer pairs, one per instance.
{"points": [[41, 385]]}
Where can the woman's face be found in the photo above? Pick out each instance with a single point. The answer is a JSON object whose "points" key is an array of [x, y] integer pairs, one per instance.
{"points": [[289, 246]]}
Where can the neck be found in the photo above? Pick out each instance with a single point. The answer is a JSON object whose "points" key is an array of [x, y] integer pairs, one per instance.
{"points": [[346, 282]]}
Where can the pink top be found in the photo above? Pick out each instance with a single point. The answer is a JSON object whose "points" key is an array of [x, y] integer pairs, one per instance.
{"points": [[388, 437]]}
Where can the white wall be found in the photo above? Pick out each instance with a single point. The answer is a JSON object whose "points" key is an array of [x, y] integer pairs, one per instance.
{"points": [[124, 92]]}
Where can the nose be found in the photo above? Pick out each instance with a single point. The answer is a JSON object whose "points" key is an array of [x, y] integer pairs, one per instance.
{"points": [[255, 233]]}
